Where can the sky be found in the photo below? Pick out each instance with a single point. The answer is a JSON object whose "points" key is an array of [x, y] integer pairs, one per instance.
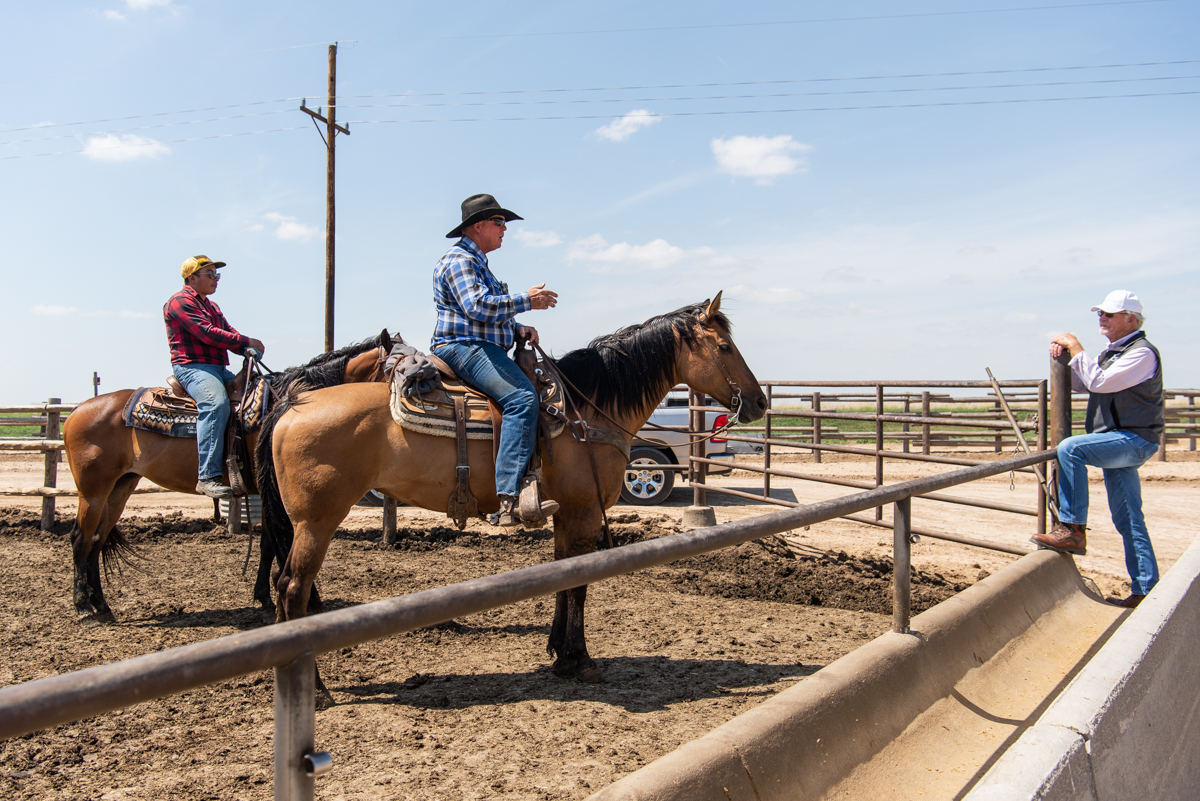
{"points": [[883, 190]]}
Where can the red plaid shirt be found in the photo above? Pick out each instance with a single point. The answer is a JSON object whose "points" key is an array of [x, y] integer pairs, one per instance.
{"points": [[197, 331]]}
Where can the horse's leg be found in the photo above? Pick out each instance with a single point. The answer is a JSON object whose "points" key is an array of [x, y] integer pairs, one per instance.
{"points": [[90, 603], [572, 536], [262, 583]]}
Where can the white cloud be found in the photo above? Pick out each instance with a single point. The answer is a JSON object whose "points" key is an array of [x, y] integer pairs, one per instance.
{"points": [[126, 147], [655, 255], [289, 230], [131, 315], [621, 129], [55, 311], [115, 15], [761, 157], [142, 5], [535, 239], [255, 227], [1020, 317]]}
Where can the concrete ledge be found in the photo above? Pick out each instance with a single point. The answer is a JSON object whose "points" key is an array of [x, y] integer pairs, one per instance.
{"points": [[1134, 706], [798, 744]]}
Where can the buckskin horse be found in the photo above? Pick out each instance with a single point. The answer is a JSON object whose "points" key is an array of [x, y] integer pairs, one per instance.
{"points": [[328, 447], [108, 459]]}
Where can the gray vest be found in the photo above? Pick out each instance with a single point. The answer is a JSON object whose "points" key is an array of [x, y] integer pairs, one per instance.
{"points": [[1139, 409]]}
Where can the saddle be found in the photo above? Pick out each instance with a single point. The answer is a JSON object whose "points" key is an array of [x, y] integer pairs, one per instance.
{"points": [[172, 412], [456, 410]]}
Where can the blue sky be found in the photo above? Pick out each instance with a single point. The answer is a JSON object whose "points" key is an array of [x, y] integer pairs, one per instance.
{"points": [[899, 189]]}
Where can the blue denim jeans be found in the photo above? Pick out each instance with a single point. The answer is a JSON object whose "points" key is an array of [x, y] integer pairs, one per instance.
{"points": [[206, 384], [1120, 454], [487, 368]]}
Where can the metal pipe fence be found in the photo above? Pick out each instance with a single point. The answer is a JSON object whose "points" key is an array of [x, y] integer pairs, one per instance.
{"points": [[291, 648]]}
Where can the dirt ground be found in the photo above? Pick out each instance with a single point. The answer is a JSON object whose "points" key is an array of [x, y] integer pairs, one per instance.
{"points": [[469, 709]]}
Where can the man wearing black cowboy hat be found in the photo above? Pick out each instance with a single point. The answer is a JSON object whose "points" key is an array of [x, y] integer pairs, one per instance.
{"points": [[475, 328]]}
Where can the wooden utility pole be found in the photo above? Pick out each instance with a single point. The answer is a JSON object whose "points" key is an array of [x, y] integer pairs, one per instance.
{"points": [[331, 131]]}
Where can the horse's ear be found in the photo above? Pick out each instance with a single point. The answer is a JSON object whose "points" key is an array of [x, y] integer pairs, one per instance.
{"points": [[714, 306], [385, 340]]}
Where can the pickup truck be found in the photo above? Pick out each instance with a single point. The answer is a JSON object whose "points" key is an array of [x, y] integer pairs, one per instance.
{"points": [[646, 481]]}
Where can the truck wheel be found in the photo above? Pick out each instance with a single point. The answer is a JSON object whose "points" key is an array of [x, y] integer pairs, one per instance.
{"points": [[645, 483]]}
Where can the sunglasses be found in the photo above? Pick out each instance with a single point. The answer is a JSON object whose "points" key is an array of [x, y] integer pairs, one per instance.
{"points": [[1108, 314], [210, 274], [500, 221]]}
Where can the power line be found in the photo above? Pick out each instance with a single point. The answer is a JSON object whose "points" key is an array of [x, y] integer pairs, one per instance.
{"points": [[156, 114], [158, 142], [733, 112], [777, 82], [894, 90], [658, 29], [146, 127], [956, 74], [808, 21]]}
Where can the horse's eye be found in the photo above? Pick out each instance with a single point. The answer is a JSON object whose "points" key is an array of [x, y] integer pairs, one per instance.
{"points": [[724, 348]]}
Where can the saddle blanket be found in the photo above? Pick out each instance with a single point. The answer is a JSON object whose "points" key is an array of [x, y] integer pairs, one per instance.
{"points": [[433, 412], [157, 409]]}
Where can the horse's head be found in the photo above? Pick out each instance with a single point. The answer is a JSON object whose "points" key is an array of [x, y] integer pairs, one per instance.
{"points": [[714, 366]]}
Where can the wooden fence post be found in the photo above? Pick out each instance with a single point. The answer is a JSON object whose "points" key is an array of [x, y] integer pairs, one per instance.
{"points": [[925, 426], [50, 478], [389, 521], [767, 445]]}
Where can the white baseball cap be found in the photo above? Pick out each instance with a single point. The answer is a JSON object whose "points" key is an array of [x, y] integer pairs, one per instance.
{"points": [[1120, 300]]}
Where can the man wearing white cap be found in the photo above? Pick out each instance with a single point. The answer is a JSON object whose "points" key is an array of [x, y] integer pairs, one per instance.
{"points": [[1125, 419]]}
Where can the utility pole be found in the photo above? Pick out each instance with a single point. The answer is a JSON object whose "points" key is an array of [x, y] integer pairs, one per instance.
{"points": [[331, 131]]}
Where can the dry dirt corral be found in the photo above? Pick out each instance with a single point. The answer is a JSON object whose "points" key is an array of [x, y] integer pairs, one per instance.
{"points": [[469, 709]]}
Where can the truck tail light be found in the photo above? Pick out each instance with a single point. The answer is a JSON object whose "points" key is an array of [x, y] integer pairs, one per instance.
{"points": [[722, 420]]}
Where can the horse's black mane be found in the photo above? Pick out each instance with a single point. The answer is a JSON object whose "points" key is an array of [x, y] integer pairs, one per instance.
{"points": [[326, 370], [626, 370]]}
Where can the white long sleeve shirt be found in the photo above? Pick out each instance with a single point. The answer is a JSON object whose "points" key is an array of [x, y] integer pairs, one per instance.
{"points": [[1127, 371]]}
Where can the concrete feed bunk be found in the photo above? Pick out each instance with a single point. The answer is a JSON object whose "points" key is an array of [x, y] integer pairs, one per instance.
{"points": [[920, 715]]}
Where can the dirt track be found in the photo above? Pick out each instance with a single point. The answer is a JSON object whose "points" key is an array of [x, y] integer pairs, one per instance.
{"points": [[469, 709]]}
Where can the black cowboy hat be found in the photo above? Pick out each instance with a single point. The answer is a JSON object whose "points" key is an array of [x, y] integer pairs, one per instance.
{"points": [[480, 207]]}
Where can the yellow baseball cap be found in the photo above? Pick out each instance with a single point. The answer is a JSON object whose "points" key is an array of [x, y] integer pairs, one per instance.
{"points": [[196, 263]]}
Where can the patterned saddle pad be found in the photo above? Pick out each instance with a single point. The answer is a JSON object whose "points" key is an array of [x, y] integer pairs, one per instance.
{"points": [[157, 409], [433, 412]]}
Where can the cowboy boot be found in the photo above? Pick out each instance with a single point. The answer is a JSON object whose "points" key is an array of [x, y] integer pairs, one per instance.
{"points": [[509, 515], [1065, 538], [1126, 603]]}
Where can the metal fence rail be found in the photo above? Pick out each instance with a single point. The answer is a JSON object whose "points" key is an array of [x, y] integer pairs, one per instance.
{"points": [[291, 648]]}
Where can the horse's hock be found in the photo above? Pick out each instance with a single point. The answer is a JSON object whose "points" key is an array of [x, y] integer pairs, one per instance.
{"points": [[1027, 671]]}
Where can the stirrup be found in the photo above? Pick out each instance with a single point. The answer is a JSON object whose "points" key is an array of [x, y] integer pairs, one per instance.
{"points": [[533, 508]]}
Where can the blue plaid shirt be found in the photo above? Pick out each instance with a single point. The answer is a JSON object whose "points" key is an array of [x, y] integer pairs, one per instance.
{"points": [[472, 304]]}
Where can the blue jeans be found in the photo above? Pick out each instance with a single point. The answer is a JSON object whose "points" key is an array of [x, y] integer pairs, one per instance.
{"points": [[1120, 453], [487, 368], [206, 384]]}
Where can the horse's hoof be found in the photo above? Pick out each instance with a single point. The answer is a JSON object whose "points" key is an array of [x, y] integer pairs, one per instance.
{"points": [[324, 699], [591, 675], [564, 667], [105, 618]]}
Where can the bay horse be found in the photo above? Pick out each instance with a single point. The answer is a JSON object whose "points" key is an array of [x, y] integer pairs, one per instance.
{"points": [[108, 459], [327, 448]]}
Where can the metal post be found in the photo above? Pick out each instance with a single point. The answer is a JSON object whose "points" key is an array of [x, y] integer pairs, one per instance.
{"points": [[697, 430], [878, 444], [907, 410], [901, 565], [1060, 399], [1043, 412], [767, 446], [95, 384], [999, 446], [389, 521], [816, 427], [1162, 443], [235, 515], [50, 479], [925, 426], [295, 724]]}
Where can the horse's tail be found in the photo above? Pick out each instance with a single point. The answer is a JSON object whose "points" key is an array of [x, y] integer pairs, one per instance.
{"points": [[276, 524], [118, 553]]}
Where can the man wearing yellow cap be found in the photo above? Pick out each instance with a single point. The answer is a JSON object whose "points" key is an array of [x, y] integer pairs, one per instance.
{"points": [[200, 339]]}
